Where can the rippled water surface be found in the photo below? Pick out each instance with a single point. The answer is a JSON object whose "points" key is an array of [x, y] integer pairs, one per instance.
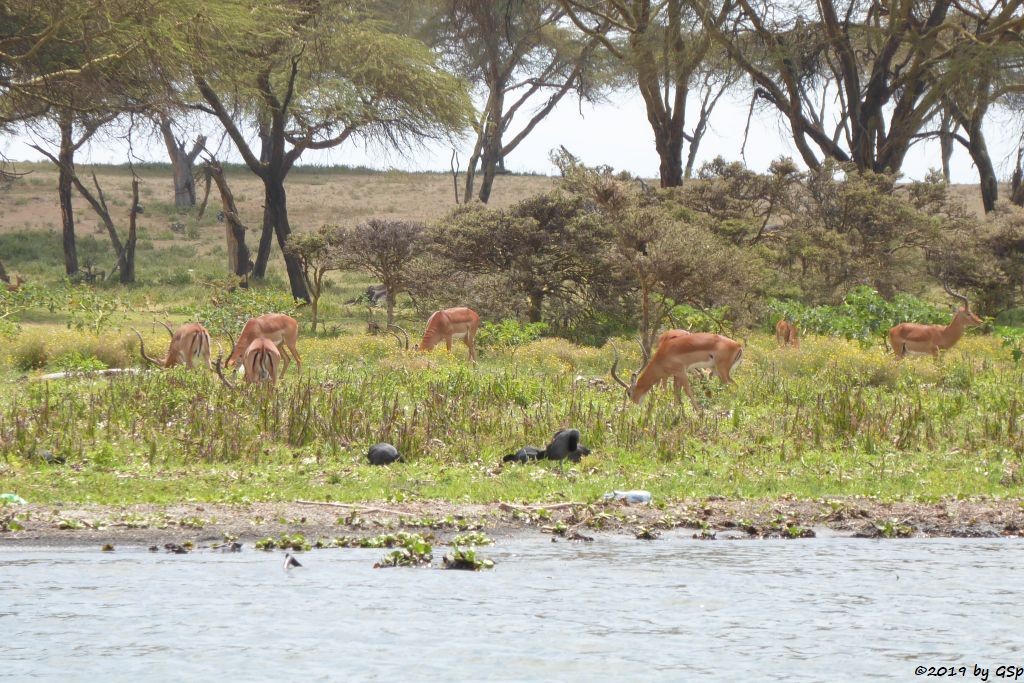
{"points": [[617, 609]]}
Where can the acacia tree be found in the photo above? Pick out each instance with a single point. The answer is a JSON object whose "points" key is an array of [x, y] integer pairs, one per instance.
{"points": [[385, 248], [518, 53], [666, 256], [313, 251], [319, 73], [663, 46], [74, 67], [857, 81], [546, 248]]}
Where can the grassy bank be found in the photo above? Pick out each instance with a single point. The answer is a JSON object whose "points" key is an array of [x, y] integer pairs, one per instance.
{"points": [[833, 419]]}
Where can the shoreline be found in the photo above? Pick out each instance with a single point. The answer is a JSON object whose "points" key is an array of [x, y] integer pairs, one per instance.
{"points": [[207, 525]]}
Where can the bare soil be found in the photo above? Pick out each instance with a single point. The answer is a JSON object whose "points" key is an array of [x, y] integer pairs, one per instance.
{"points": [[205, 525]]}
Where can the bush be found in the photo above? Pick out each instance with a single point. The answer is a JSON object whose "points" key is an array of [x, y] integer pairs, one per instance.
{"points": [[508, 333], [864, 315], [29, 353]]}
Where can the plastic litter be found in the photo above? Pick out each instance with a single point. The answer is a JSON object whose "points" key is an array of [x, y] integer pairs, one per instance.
{"points": [[637, 496], [11, 498]]}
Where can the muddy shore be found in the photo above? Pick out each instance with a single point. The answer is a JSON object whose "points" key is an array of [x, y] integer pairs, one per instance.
{"points": [[206, 525]]}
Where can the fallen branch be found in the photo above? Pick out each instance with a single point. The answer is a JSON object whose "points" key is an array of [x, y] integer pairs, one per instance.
{"points": [[351, 506], [534, 508], [83, 373]]}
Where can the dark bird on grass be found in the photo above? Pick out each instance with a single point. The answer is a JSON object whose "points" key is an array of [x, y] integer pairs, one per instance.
{"points": [[383, 454], [525, 454], [290, 562], [566, 446]]}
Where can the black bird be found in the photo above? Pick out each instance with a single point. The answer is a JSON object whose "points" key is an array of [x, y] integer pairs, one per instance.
{"points": [[383, 454], [524, 455], [566, 445], [290, 562]]}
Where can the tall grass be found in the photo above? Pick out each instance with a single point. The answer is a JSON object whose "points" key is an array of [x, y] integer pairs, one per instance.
{"points": [[831, 419]]}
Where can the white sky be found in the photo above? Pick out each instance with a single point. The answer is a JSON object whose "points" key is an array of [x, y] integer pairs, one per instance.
{"points": [[615, 133]]}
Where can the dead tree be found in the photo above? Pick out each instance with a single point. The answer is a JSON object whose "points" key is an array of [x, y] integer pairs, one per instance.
{"points": [[182, 163], [125, 250], [234, 229]]}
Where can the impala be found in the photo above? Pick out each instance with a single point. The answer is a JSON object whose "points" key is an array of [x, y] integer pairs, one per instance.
{"points": [[189, 344], [449, 324], [16, 285], [277, 327], [678, 352], [786, 334], [917, 339], [260, 361]]}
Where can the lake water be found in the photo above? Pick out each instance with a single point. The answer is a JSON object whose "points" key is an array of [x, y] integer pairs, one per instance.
{"points": [[826, 609]]}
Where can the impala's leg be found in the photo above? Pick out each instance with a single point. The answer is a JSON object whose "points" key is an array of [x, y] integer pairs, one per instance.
{"points": [[471, 345], [294, 352], [897, 346], [935, 352], [681, 380], [448, 343]]}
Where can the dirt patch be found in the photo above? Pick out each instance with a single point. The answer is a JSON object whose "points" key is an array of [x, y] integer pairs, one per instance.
{"points": [[203, 525]]}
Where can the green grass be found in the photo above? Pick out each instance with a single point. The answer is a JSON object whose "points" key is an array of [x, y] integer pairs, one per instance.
{"points": [[831, 419]]}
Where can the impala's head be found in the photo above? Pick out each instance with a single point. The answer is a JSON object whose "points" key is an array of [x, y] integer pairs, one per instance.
{"points": [[968, 317], [964, 314], [630, 388]]}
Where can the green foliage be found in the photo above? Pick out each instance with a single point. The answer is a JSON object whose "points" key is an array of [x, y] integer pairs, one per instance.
{"points": [[412, 550], [864, 315], [295, 542], [472, 538], [75, 361], [508, 333], [228, 312], [462, 558]]}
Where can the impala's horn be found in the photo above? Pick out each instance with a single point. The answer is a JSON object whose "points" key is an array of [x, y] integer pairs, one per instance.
{"points": [[142, 350], [166, 327], [945, 286], [217, 366], [405, 346], [643, 352], [615, 376]]}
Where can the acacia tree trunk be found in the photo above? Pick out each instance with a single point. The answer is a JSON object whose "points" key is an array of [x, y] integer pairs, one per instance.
{"points": [[978, 149], [182, 163], [277, 203], [1016, 181], [234, 229], [536, 300], [126, 258], [66, 174], [259, 269]]}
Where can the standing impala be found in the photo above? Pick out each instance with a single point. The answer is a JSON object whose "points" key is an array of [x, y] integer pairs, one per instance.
{"points": [[786, 334], [277, 327], [678, 352], [917, 339], [451, 323], [189, 344], [260, 361]]}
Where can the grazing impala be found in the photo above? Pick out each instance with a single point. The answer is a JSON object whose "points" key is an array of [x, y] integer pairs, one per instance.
{"points": [[786, 334], [917, 339], [451, 323], [277, 327], [16, 285], [189, 344], [260, 361], [679, 351]]}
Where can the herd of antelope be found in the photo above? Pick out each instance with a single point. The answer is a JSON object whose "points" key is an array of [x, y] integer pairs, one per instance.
{"points": [[268, 340]]}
